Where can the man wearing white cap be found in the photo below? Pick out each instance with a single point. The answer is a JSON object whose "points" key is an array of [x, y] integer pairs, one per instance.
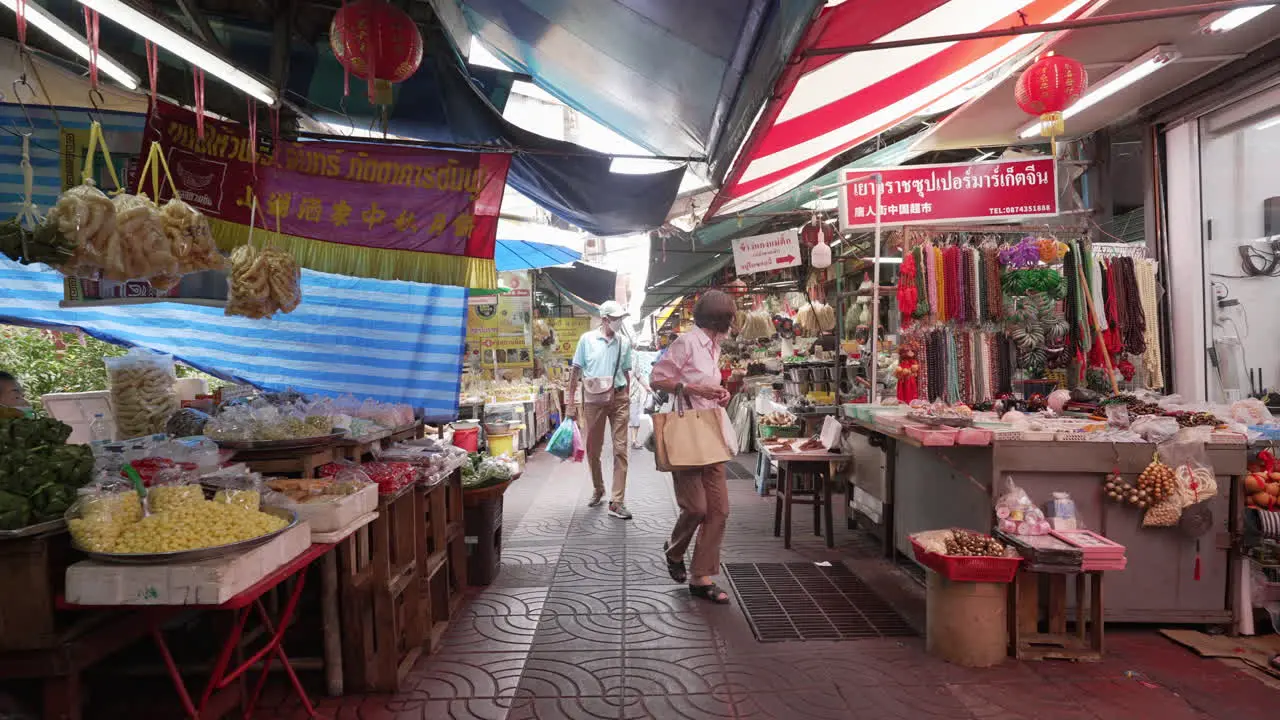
{"points": [[602, 365]]}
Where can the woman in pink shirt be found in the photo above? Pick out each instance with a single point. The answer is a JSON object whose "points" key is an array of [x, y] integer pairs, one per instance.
{"points": [[690, 371]]}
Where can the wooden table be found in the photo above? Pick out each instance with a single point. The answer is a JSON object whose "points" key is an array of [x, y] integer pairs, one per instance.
{"points": [[820, 464]]}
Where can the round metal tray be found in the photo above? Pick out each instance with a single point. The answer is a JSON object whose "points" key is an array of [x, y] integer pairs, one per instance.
{"points": [[291, 444], [181, 556]]}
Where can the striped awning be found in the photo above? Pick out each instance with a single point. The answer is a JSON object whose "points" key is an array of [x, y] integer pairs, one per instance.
{"points": [[389, 340], [827, 104]]}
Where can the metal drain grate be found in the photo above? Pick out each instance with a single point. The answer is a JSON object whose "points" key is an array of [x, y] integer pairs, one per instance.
{"points": [[801, 601]]}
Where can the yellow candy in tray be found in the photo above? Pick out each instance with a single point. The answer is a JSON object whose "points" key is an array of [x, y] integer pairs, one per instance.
{"points": [[194, 526]]}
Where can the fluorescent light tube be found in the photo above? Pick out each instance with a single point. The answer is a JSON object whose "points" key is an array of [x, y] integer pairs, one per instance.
{"points": [[202, 58], [1135, 71], [56, 29], [1227, 21]]}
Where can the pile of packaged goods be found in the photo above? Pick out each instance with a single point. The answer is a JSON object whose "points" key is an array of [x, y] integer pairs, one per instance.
{"points": [[391, 477], [128, 237], [39, 472], [290, 416], [433, 458], [109, 517], [479, 390], [263, 422]]}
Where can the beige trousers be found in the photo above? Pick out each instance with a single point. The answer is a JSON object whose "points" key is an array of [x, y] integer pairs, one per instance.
{"points": [[703, 498], [615, 413]]}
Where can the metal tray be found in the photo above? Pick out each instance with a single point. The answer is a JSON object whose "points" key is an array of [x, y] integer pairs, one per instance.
{"points": [[48, 526], [186, 556], [292, 444]]}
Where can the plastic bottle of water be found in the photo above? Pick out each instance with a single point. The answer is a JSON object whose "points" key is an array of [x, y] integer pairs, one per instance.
{"points": [[98, 430]]}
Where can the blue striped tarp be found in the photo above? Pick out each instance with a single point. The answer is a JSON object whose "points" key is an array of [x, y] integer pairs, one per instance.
{"points": [[123, 132], [389, 340]]}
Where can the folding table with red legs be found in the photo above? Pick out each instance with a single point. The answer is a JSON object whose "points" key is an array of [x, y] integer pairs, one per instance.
{"points": [[241, 606]]}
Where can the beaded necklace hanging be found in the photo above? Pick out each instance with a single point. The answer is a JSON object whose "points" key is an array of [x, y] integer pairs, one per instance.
{"points": [[940, 303], [931, 261], [907, 289], [922, 287]]}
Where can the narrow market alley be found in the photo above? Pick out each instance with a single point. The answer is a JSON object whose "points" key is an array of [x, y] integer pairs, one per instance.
{"points": [[584, 623]]}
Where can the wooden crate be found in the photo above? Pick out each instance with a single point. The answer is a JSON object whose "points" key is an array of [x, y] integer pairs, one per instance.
{"points": [[34, 569], [381, 595], [445, 556], [296, 463]]}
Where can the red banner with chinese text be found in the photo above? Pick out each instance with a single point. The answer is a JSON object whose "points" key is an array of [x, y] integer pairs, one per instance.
{"points": [[960, 192], [363, 194]]}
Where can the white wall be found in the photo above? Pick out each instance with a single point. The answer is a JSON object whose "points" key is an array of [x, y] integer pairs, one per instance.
{"points": [[1240, 168]]}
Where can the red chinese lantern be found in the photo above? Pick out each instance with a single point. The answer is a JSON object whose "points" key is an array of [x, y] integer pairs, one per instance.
{"points": [[1049, 87], [377, 41]]}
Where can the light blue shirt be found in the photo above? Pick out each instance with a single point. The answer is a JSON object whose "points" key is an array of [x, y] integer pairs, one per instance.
{"points": [[597, 356]]}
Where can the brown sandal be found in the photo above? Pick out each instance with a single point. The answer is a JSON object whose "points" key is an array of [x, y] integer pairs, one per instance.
{"points": [[711, 593]]}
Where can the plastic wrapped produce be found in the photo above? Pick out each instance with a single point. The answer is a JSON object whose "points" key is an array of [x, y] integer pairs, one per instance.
{"points": [[101, 514], [1016, 514], [187, 422], [142, 392]]}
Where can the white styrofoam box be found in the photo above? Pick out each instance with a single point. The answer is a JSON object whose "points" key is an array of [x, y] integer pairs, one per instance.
{"points": [[189, 388], [326, 517], [78, 409], [208, 582], [337, 536]]}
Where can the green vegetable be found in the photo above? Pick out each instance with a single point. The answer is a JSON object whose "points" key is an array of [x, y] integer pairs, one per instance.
{"points": [[15, 511], [39, 472]]}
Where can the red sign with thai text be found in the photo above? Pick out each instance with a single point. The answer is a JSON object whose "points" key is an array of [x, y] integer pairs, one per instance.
{"points": [[961, 192]]}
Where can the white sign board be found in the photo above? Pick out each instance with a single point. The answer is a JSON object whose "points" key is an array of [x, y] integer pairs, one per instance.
{"points": [[762, 253]]}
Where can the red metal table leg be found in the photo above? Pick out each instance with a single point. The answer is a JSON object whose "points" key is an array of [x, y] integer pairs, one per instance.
{"points": [[174, 673]]}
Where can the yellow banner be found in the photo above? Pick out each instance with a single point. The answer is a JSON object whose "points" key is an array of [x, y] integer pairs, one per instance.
{"points": [[499, 328], [567, 331]]}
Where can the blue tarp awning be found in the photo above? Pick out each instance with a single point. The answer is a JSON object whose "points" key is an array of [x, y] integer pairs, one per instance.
{"points": [[669, 75], [390, 340], [525, 255]]}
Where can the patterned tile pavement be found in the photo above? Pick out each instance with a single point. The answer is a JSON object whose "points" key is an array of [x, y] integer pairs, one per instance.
{"points": [[583, 623]]}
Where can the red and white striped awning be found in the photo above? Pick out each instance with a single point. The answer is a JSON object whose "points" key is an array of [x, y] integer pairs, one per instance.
{"points": [[825, 105]]}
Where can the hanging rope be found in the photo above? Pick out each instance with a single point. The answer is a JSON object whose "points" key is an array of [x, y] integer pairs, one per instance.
{"points": [[153, 69], [20, 7], [91, 34], [198, 76], [253, 137]]}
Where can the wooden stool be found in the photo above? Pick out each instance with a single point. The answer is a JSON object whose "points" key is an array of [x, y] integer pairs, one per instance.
{"points": [[1026, 642], [820, 471]]}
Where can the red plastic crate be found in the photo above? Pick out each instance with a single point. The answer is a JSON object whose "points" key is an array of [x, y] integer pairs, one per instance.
{"points": [[968, 569]]}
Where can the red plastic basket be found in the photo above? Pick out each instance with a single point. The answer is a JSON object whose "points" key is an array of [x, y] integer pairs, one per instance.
{"points": [[968, 569]]}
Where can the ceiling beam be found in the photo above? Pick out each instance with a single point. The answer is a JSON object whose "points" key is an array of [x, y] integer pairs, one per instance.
{"points": [[198, 22]]}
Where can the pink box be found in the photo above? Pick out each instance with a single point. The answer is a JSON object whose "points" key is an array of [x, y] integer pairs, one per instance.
{"points": [[1094, 546], [932, 436], [974, 436]]}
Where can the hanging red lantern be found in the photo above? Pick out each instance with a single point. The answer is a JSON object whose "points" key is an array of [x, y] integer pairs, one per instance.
{"points": [[1049, 87], [378, 42]]}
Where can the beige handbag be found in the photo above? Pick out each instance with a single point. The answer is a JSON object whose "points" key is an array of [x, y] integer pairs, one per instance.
{"points": [[688, 438], [599, 390]]}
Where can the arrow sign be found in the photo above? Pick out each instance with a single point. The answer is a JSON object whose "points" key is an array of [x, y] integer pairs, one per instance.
{"points": [[761, 253]]}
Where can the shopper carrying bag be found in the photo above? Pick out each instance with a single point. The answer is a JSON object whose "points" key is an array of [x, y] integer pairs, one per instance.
{"points": [[694, 441], [602, 366]]}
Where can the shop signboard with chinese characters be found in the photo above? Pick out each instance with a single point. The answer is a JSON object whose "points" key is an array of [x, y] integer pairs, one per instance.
{"points": [[361, 194], [961, 192], [499, 333], [764, 253]]}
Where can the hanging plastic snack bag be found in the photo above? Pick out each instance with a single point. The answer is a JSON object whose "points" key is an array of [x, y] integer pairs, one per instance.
{"points": [[1195, 481], [142, 392], [1016, 514]]}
